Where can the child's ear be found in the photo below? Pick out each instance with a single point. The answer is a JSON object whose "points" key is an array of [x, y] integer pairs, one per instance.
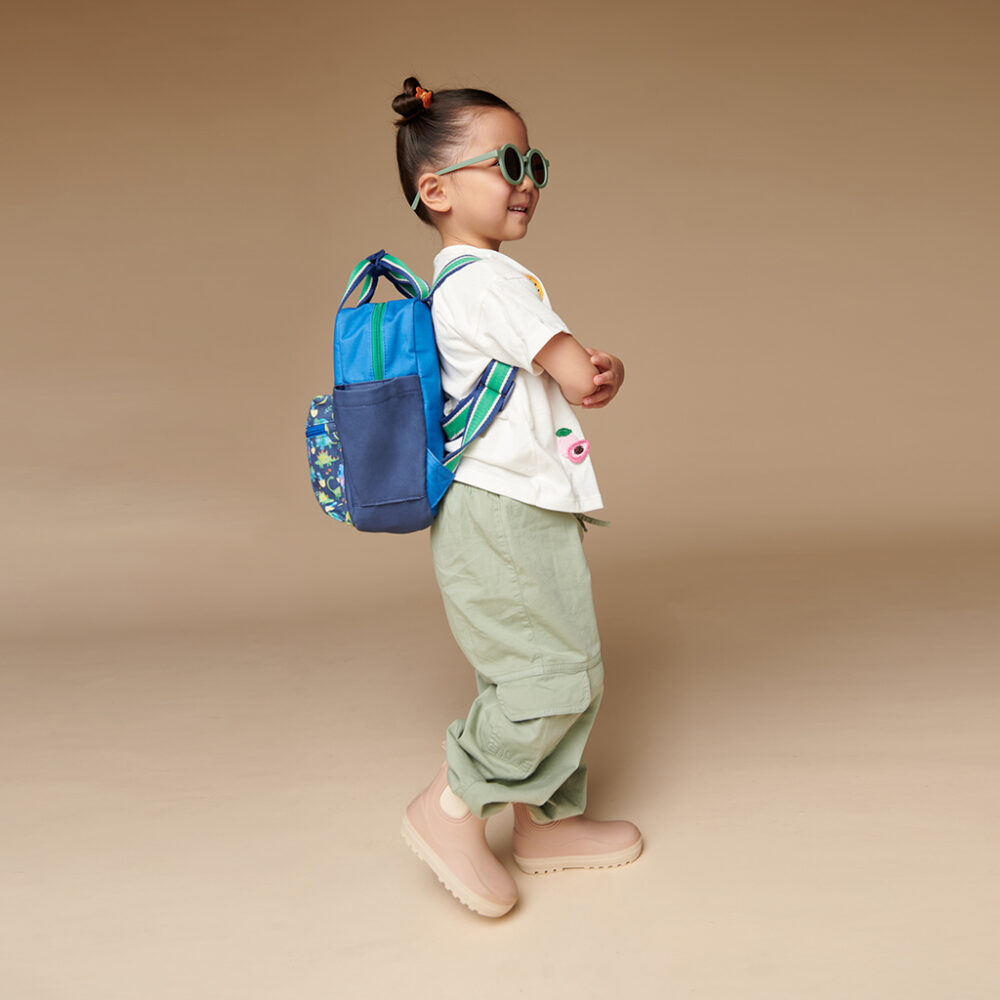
{"points": [[433, 193]]}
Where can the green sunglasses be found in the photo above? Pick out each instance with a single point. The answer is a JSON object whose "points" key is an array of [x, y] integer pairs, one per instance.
{"points": [[513, 164]]}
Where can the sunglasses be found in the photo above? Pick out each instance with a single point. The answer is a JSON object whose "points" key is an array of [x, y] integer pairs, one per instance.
{"points": [[513, 165]]}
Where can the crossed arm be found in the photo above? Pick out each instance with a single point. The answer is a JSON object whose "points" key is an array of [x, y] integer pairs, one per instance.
{"points": [[586, 377]]}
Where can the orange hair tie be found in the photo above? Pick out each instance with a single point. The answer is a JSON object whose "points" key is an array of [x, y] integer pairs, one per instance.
{"points": [[425, 96]]}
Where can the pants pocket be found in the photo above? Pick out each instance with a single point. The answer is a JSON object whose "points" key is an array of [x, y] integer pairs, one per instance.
{"points": [[545, 695], [532, 725]]}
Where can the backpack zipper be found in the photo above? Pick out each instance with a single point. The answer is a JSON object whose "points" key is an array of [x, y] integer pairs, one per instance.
{"points": [[378, 358]]}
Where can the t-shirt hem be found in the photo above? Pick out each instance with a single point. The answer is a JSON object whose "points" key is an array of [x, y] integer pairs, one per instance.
{"points": [[501, 483]]}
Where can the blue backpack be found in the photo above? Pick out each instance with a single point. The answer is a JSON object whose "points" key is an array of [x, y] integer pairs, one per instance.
{"points": [[377, 443]]}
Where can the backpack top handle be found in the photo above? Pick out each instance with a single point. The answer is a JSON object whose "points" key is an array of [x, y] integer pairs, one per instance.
{"points": [[383, 265]]}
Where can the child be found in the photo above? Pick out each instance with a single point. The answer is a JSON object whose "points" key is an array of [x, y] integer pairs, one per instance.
{"points": [[507, 541]]}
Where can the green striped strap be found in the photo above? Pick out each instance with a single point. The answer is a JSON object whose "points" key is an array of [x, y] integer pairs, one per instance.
{"points": [[450, 268], [475, 413], [367, 272], [406, 280], [492, 379]]}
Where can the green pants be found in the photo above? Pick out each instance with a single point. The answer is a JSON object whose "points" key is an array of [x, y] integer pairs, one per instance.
{"points": [[516, 591]]}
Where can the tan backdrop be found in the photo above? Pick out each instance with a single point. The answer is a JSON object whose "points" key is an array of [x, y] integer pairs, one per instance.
{"points": [[783, 216]]}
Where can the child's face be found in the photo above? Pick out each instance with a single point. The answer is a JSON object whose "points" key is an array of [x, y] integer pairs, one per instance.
{"points": [[485, 210]]}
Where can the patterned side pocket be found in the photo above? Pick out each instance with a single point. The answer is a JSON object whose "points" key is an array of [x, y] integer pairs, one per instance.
{"points": [[326, 461]]}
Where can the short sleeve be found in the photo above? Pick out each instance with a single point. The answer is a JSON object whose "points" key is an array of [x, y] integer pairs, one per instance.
{"points": [[514, 323]]}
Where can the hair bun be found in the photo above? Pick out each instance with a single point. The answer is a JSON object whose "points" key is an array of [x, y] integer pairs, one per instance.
{"points": [[407, 103]]}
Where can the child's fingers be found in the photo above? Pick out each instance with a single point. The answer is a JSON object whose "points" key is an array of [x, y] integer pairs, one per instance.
{"points": [[599, 398]]}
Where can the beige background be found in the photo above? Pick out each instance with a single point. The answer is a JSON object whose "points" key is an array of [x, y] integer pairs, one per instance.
{"points": [[783, 216]]}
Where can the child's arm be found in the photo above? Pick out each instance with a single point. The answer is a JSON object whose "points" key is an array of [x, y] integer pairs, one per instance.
{"points": [[578, 370]]}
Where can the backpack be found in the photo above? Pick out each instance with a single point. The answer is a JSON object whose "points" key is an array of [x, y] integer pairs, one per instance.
{"points": [[376, 444]]}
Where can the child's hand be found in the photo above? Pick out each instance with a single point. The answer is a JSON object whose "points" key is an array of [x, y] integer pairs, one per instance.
{"points": [[609, 378]]}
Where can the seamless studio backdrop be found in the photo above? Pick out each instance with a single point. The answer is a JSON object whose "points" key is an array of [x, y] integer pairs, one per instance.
{"points": [[216, 702]]}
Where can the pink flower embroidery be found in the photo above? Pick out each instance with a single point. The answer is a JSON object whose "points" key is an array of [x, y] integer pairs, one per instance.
{"points": [[575, 449]]}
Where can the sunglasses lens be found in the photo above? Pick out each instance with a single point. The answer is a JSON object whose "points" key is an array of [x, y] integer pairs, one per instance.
{"points": [[537, 169], [513, 166]]}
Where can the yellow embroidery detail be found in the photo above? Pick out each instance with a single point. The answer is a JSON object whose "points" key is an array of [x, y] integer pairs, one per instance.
{"points": [[537, 284]]}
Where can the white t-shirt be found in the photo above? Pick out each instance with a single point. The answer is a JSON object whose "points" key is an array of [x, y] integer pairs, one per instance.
{"points": [[534, 451]]}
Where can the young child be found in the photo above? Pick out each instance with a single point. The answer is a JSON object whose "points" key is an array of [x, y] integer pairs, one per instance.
{"points": [[507, 540]]}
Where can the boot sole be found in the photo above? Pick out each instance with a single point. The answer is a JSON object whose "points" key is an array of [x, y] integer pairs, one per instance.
{"points": [[466, 896], [540, 866]]}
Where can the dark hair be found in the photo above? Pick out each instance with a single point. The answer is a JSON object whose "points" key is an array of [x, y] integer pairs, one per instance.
{"points": [[424, 136]]}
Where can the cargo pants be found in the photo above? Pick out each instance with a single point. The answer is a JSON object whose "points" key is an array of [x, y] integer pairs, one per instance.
{"points": [[517, 594]]}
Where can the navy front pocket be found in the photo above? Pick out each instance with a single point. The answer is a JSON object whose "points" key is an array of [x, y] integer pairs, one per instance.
{"points": [[384, 442]]}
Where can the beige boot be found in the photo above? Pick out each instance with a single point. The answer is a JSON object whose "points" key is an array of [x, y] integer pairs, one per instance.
{"points": [[575, 842], [457, 852]]}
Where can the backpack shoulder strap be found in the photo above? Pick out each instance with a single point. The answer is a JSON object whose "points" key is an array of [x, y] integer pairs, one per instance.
{"points": [[472, 415], [448, 270]]}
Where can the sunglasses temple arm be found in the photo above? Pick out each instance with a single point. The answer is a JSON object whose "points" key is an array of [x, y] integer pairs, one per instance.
{"points": [[493, 154], [468, 163]]}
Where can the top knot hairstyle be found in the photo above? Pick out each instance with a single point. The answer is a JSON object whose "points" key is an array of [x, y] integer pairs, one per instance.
{"points": [[431, 126]]}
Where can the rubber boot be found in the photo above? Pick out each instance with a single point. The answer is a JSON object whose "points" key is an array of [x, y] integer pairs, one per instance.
{"points": [[575, 842], [457, 852]]}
